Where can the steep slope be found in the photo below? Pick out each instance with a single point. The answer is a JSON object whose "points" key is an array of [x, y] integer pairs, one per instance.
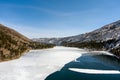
{"points": [[13, 44], [105, 38], [107, 32]]}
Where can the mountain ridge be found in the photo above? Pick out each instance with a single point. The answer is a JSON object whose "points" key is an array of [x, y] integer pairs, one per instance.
{"points": [[105, 38]]}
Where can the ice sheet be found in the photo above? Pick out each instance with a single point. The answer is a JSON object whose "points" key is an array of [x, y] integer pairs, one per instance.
{"points": [[38, 64], [93, 71]]}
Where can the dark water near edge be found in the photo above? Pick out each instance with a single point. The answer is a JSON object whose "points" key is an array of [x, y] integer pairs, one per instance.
{"points": [[88, 61]]}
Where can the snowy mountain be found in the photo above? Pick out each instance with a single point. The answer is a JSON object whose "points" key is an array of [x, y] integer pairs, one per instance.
{"points": [[107, 38], [107, 32], [47, 40]]}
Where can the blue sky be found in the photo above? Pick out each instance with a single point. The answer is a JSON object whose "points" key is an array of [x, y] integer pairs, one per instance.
{"points": [[57, 18]]}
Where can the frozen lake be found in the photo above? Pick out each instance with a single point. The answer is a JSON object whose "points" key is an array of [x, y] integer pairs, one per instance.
{"points": [[60, 63], [38, 64]]}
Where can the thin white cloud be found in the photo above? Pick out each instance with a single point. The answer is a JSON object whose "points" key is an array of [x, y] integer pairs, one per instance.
{"points": [[49, 11]]}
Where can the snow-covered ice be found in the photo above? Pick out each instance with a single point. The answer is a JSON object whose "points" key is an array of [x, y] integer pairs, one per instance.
{"points": [[93, 71], [38, 64]]}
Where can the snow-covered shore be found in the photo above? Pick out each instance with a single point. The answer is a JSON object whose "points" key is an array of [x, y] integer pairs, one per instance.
{"points": [[38, 64]]}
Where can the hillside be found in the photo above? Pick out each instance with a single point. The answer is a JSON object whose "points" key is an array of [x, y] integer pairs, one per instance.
{"points": [[107, 32], [13, 44], [105, 38]]}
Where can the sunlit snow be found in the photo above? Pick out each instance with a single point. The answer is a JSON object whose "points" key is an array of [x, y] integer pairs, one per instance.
{"points": [[93, 71], [38, 64]]}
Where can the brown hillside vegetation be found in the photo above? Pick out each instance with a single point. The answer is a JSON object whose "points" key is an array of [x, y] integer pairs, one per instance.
{"points": [[13, 44]]}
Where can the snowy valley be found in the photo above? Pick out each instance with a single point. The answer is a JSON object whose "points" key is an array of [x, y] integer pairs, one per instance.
{"points": [[106, 38]]}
